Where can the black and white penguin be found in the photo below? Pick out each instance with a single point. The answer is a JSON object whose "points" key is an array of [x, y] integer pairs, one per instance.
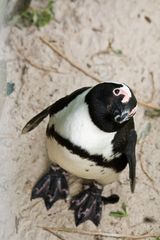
{"points": [[91, 135]]}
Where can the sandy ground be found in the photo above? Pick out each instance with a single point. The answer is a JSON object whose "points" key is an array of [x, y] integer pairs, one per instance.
{"points": [[80, 29]]}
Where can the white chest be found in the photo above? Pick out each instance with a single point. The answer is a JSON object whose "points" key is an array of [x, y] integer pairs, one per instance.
{"points": [[74, 123]]}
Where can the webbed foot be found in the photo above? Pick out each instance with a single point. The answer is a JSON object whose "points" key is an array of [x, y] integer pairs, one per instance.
{"points": [[87, 205], [51, 187]]}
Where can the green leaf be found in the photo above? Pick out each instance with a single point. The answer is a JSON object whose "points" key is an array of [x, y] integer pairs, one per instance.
{"points": [[50, 6], [37, 17], [43, 18], [119, 213], [118, 52]]}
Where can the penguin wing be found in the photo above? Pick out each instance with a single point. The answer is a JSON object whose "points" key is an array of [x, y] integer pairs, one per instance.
{"points": [[131, 157], [51, 110]]}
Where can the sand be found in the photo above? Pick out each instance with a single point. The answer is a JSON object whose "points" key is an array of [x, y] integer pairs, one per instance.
{"points": [[81, 29]]}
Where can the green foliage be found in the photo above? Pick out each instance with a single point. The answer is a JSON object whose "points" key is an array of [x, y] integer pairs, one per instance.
{"points": [[118, 52], [120, 213], [37, 17]]}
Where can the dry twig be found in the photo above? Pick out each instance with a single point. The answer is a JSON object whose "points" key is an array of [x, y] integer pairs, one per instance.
{"points": [[29, 61], [148, 105], [58, 236], [153, 87], [143, 168], [98, 233], [108, 50], [70, 61], [84, 71], [142, 163], [142, 136]]}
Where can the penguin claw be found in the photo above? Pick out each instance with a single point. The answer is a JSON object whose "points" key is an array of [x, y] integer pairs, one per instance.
{"points": [[87, 205], [51, 187]]}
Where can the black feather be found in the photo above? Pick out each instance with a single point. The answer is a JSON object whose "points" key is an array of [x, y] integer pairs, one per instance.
{"points": [[52, 109]]}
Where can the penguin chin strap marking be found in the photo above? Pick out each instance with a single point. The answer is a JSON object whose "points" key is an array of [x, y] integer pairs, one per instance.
{"points": [[51, 187], [122, 118], [87, 205]]}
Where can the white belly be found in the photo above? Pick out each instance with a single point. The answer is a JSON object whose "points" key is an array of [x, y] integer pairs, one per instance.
{"points": [[79, 167], [74, 123]]}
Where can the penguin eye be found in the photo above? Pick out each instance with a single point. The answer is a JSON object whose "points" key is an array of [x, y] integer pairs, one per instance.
{"points": [[116, 92]]}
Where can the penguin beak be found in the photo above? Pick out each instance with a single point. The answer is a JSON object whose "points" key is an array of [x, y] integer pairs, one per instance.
{"points": [[125, 115]]}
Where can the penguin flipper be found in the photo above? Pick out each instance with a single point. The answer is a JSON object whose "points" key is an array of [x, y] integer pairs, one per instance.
{"points": [[35, 121], [52, 109], [130, 154]]}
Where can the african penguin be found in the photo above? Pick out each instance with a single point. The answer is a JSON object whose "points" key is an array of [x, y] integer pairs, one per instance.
{"points": [[91, 135]]}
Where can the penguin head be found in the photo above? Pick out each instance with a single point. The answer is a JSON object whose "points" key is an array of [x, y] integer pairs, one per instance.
{"points": [[111, 105]]}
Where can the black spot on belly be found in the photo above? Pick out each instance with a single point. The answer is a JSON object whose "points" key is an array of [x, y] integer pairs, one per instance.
{"points": [[87, 170]]}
